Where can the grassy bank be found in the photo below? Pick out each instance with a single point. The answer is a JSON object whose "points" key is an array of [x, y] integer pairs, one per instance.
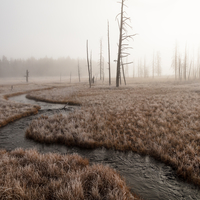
{"points": [[161, 120], [11, 111], [29, 175]]}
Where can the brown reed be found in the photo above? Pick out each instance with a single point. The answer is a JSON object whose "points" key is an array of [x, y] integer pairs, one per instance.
{"points": [[29, 175], [152, 119]]}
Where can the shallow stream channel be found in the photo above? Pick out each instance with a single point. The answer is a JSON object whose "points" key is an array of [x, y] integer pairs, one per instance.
{"points": [[145, 176]]}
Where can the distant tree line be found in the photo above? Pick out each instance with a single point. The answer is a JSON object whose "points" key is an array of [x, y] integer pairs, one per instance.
{"points": [[144, 70], [43, 67], [186, 66]]}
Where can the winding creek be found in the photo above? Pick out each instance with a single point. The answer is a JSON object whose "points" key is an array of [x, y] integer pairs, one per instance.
{"points": [[144, 175]]}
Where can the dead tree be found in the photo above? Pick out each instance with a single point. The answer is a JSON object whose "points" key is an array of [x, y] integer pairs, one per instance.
{"points": [[123, 73], [88, 64], [122, 37], [158, 64], [126, 68], [198, 61], [179, 68], [109, 56], [101, 62], [91, 79], [176, 61], [185, 64], [133, 70], [174, 64], [79, 73], [153, 65], [27, 75]]}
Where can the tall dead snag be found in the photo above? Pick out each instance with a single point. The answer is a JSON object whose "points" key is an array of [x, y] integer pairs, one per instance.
{"points": [[133, 70], [88, 64], [101, 62], [198, 61], [79, 73], [27, 75], [158, 64], [175, 61], [123, 73], [185, 64], [91, 79], [153, 65], [109, 55], [122, 37]]}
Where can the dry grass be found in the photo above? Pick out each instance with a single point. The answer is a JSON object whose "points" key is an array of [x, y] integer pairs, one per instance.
{"points": [[161, 120], [29, 175], [11, 111]]}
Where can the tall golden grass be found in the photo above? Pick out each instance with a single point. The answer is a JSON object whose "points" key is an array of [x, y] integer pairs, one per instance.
{"points": [[161, 120], [29, 175]]}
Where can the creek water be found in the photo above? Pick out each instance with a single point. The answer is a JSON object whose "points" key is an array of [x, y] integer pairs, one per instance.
{"points": [[145, 176]]}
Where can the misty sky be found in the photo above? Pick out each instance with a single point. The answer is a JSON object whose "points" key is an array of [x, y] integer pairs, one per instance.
{"points": [[60, 28]]}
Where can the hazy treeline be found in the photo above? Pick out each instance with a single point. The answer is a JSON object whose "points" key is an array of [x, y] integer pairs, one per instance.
{"points": [[145, 70], [42, 67], [186, 65]]}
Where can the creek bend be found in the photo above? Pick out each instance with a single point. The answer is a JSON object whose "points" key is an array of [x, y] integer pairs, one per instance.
{"points": [[144, 175]]}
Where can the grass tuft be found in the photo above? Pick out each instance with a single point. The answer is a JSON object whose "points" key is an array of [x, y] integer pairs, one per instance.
{"points": [[29, 175]]}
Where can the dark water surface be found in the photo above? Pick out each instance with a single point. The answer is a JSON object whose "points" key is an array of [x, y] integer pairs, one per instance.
{"points": [[144, 175]]}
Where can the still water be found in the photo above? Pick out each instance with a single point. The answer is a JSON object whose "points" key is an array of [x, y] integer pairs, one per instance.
{"points": [[144, 175]]}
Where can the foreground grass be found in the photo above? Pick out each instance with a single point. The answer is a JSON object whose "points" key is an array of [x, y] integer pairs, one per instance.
{"points": [[157, 120], [29, 175]]}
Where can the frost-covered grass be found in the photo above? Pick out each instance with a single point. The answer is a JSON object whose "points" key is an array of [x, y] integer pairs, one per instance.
{"points": [[65, 95], [27, 174], [11, 111], [161, 120]]}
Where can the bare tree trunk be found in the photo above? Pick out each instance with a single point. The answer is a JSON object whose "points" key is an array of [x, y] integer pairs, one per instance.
{"points": [[123, 72], [153, 65], [198, 61], [103, 68], [109, 55], [79, 74], [138, 68], [179, 67], [27, 75], [185, 64], [101, 59], [120, 45], [175, 61], [190, 70], [88, 64], [145, 71], [122, 37], [91, 67]]}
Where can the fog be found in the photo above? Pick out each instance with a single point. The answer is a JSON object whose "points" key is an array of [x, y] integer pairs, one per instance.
{"points": [[56, 30]]}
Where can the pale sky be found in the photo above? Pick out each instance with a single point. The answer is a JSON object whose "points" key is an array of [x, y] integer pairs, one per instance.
{"points": [[60, 28]]}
